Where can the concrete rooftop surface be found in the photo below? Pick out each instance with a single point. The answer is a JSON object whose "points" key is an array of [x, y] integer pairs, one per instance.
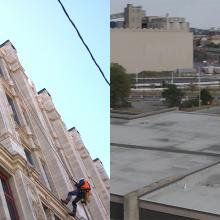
{"points": [[132, 169], [172, 130], [174, 156], [200, 191]]}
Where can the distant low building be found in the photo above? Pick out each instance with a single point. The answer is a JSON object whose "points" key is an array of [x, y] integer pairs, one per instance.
{"points": [[167, 23], [215, 39], [135, 17], [151, 50]]}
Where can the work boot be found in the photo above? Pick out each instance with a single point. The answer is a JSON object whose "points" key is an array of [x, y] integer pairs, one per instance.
{"points": [[72, 214], [83, 201], [66, 201]]}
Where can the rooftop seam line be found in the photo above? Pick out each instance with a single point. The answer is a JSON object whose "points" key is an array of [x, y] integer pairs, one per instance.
{"points": [[199, 153]]}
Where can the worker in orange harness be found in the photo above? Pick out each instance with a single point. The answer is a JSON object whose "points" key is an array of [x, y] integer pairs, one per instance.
{"points": [[82, 193]]}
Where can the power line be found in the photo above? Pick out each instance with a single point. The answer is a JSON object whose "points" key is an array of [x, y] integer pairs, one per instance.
{"points": [[81, 38]]}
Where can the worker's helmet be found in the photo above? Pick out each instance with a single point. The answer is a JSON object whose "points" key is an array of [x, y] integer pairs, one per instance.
{"points": [[81, 181]]}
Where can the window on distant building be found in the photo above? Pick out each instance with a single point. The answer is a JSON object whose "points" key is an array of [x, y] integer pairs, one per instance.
{"points": [[9, 198], [15, 115], [29, 156]]}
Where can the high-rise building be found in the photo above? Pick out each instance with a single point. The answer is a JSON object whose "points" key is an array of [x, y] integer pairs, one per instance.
{"points": [[38, 155]]}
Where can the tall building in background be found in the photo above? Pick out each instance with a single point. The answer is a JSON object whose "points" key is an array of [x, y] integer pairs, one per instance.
{"points": [[150, 43], [38, 155], [133, 16]]}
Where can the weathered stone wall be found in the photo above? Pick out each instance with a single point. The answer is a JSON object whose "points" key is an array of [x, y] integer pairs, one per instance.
{"points": [[40, 131]]}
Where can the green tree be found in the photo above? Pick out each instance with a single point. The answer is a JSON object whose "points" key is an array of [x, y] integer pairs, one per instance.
{"points": [[120, 85], [172, 95], [206, 97]]}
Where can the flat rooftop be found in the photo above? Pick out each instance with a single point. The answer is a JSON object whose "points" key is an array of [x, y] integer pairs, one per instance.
{"points": [[172, 130], [200, 191], [132, 169], [177, 152]]}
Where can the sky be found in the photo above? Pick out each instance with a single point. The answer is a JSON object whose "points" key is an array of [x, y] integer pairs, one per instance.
{"points": [[200, 13], [54, 58]]}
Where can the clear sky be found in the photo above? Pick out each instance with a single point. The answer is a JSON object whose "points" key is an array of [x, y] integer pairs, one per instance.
{"points": [[54, 58], [200, 13]]}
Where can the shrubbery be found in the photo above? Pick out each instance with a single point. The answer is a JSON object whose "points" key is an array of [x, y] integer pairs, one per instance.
{"points": [[190, 103]]}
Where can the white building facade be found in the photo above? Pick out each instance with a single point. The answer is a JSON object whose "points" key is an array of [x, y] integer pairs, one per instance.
{"points": [[38, 155]]}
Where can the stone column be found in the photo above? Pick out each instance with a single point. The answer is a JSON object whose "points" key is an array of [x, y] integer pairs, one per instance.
{"points": [[26, 198], [131, 207]]}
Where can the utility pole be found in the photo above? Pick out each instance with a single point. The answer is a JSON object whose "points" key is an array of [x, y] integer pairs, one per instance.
{"points": [[199, 85], [172, 79], [136, 80]]}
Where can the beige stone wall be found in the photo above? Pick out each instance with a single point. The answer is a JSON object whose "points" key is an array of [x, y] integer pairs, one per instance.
{"points": [[54, 151], [157, 50]]}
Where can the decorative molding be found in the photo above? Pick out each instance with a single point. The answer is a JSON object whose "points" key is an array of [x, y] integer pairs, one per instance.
{"points": [[34, 200]]}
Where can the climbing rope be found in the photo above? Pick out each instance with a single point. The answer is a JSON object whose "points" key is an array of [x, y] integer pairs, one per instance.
{"points": [[83, 205]]}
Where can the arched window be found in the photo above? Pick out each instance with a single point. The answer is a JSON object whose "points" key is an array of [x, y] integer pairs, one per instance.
{"points": [[8, 197]]}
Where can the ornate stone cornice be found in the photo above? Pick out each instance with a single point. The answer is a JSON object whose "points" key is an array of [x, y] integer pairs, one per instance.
{"points": [[12, 162]]}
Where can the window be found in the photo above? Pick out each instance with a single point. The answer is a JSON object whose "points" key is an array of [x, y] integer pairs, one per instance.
{"points": [[56, 218], [46, 211], [9, 198], [47, 178], [28, 156], [15, 115], [1, 72]]}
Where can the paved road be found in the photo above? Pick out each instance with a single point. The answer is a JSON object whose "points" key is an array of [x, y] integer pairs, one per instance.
{"points": [[213, 110]]}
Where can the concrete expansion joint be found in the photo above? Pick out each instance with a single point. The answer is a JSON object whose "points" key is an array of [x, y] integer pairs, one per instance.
{"points": [[131, 117], [166, 182], [201, 169], [159, 184], [190, 152]]}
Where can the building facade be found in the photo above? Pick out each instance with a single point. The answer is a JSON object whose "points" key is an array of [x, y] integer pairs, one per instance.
{"points": [[38, 155], [151, 50], [167, 23], [135, 17]]}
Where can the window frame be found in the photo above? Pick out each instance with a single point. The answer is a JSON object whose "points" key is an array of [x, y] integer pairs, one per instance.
{"points": [[29, 156], [1, 71], [14, 110], [8, 195]]}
